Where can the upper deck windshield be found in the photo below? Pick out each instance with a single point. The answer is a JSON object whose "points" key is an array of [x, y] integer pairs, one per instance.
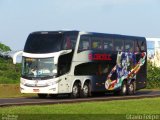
{"points": [[43, 43], [38, 67], [50, 42]]}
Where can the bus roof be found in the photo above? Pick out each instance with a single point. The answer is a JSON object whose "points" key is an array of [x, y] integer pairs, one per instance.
{"points": [[90, 33]]}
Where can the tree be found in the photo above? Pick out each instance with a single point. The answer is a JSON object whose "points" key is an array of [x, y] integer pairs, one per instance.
{"points": [[4, 48]]}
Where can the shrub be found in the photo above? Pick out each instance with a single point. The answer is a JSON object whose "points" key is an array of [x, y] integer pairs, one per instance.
{"points": [[9, 73], [153, 76]]}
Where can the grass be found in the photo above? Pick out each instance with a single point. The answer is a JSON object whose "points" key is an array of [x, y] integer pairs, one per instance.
{"points": [[88, 110], [11, 91]]}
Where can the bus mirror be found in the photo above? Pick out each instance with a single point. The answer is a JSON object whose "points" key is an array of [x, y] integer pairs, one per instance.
{"points": [[15, 56]]}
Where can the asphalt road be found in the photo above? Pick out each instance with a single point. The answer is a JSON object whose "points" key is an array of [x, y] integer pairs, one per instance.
{"points": [[63, 99]]}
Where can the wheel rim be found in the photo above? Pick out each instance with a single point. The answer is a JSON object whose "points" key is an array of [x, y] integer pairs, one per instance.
{"points": [[124, 89], [131, 87], [75, 90], [85, 90]]}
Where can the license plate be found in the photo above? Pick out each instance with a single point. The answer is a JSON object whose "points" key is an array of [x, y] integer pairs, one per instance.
{"points": [[36, 90]]}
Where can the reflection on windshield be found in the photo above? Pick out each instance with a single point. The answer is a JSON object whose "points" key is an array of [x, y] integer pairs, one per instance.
{"points": [[39, 67]]}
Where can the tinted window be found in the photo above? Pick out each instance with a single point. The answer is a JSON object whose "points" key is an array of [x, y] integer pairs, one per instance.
{"points": [[69, 42], [86, 69], [96, 43], [84, 43], [107, 44], [43, 43], [118, 45], [129, 46], [140, 46]]}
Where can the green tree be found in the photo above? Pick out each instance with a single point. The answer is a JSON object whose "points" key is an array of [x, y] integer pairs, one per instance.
{"points": [[4, 48]]}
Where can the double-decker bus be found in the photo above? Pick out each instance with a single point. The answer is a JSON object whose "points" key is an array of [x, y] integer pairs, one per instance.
{"points": [[81, 63]]}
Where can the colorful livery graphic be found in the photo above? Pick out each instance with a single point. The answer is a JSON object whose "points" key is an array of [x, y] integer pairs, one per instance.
{"points": [[82, 63], [126, 68]]}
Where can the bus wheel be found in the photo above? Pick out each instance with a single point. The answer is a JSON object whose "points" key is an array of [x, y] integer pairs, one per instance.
{"points": [[75, 90], [131, 88], [123, 90], [42, 95], [86, 91]]}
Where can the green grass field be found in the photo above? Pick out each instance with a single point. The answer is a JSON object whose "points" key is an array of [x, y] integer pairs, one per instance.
{"points": [[87, 110]]}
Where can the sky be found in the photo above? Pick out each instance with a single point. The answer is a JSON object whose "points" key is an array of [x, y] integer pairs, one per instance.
{"points": [[18, 18]]}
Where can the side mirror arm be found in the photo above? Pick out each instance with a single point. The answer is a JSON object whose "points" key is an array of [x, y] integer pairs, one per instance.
{"points": [[15, 56]]}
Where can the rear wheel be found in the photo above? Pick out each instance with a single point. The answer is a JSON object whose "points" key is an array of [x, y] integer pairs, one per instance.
{"points": [[86, 91], [123, 89], [131, 88], [42, 95]]}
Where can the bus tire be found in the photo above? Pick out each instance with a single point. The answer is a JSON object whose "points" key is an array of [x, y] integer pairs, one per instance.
{"points": [[42, 95], [131, 88], [86, 90], [123, 89], [75, 90]]}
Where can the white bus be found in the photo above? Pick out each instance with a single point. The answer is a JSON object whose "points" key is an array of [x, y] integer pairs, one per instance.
{"points": [[153, 48], [82, 63]]}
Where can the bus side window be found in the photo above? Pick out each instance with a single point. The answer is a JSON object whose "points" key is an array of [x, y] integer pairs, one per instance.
{"points": [[96, 43], [137, 49], [69, 42], [140, 46], [84, 44], [108, 44], [118, 45], [129, 46]]}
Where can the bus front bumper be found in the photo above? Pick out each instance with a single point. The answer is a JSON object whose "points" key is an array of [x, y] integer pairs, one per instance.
{"points": [[52, 89]]}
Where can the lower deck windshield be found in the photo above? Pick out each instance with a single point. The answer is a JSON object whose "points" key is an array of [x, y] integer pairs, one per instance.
{"points": [[38, 67]]}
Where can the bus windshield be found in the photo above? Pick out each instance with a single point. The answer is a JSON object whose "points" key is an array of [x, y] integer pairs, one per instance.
{"points": [[38, 67], [39, 43]]}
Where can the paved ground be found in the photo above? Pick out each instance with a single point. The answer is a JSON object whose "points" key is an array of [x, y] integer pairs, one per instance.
{"points": [[64, 99]]}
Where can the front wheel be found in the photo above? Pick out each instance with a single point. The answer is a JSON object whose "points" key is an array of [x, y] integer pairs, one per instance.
{"points": [[123, 89], [42, 95]]}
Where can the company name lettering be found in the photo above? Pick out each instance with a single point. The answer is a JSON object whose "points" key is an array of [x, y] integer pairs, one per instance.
{"points": [[92, 56]]}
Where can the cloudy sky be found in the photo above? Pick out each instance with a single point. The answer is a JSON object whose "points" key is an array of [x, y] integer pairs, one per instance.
{"points": [[18, 18]]}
